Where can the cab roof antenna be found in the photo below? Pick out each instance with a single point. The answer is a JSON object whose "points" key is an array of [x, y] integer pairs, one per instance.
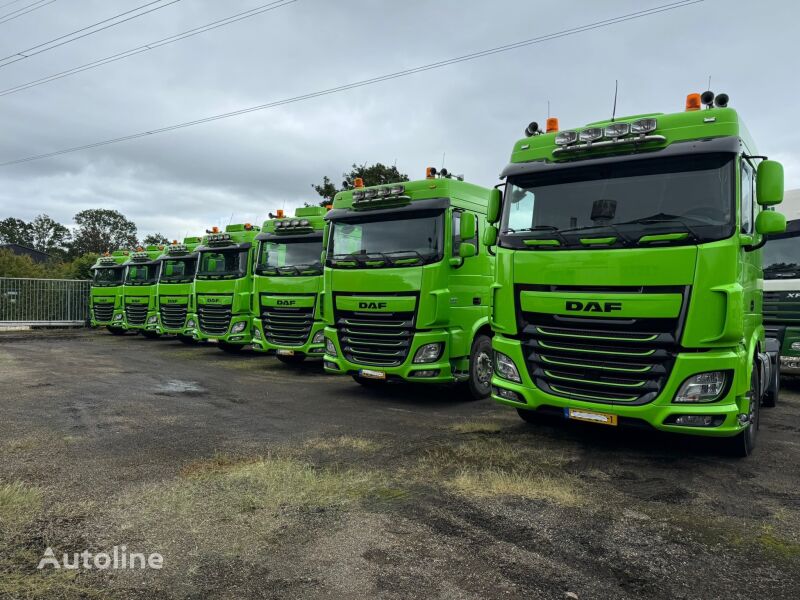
{"points": [[614, 110]]}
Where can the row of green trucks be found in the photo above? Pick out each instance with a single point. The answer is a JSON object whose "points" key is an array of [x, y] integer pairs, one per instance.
{"points": [[613, 277]]}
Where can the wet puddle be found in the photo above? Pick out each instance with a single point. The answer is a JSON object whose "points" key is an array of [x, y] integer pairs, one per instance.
{"points": [[178, 386]]}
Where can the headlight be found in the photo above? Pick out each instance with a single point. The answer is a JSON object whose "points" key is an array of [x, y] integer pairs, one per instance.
{"points": [[319, 337], [505, 367], [796, 346], [151, 320], [118, 317], [190, 324], [428, 353], [330, 347], [703, 387], [239, 327]]}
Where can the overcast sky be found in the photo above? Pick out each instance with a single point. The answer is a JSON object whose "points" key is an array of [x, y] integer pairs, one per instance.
{"points": [[185, 181]]}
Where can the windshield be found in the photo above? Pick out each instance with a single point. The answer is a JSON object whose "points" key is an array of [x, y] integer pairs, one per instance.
{"points": [[781, 258], [688, 199], [177, 270], [383, 241], [290, 257], [222, 264], [141, 274], [108, 276]]}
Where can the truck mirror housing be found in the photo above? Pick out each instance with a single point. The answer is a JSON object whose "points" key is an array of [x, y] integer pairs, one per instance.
{"points": [[769, 183], [769, 222], [493, 208], [467, 226], [466, 250], [490, 236], [168, 270], [325, 235], [322, 256]]}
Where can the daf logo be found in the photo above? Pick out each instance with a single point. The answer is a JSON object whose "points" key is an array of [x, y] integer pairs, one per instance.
{"points": [[793, 295], [286, 302], [372, 305], [575, 305], [212, 300]]}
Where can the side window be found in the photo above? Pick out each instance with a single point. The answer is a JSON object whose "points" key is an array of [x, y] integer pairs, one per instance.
{"points": [[457, 228], [747, 198]]}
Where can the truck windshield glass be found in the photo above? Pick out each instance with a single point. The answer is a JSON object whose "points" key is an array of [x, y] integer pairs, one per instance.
{"points": [[109, 276], [387, 241], [178, 270], [142, 274], [781, 258], [688, 199], [290, 257], [222, 264]]}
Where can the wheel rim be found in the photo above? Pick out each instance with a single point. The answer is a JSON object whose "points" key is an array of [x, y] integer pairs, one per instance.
{"points": [[483, 369]]}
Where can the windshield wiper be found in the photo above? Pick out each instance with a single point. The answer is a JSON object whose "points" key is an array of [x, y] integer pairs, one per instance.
{"points": [[419, 256], [625, 239], [535, 228], [664, 218]]}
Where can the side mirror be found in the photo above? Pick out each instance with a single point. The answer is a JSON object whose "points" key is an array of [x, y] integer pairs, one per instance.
{"points": [[325, 235], [493, 208], [769, 222], [769, 183], [466, 250], [467, 226], [322, 256], [490, 236], [168, 270], [212, 265]]}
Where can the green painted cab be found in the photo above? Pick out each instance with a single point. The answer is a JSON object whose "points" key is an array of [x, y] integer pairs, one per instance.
{"points": [[105, 302], [139, 291], [175, 291]]}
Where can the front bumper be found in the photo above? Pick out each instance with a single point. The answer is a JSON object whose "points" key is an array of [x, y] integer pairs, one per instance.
{"points": [[117, 321], [790, 365], [654, 413], [405, 371], [242, 337], [183, 331], [260, 343]]}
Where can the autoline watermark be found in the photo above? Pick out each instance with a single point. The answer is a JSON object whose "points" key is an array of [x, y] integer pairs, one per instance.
{"points": [[117, 558]]}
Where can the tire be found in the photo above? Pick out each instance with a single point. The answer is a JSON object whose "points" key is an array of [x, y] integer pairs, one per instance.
{"points": [[295, 359], [231, 348], [770, 399], [480, 367], [368, 383], [744, 443], [529, 416], [150, 335], [115, 330], [187, 339]]}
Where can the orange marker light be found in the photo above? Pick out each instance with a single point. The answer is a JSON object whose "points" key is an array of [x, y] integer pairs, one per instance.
{"points": [[279, 213], [248, 226], [215, 229], [430, 172], [139, 249], [693, 102], [328, 206], [174, 242], [552, 124], [358, 182]]}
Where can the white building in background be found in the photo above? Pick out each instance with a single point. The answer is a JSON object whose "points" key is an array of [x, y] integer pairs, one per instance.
{"points": [[790, 205]]}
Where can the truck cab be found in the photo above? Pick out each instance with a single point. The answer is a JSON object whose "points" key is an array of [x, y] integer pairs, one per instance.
{"points": [[139, 291], [781, 256], [407, 286], [223, 287], [107, 309], [629, 281], [286, 286], [175, 292]]}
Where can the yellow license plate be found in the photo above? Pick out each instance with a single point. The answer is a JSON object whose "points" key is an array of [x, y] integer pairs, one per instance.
{"points": [[590, 416], [370, 374], [285, 352]]}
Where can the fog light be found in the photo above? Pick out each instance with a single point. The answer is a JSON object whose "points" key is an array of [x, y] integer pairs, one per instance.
{"points": [[330, 347], [703, 387], [695, 420], [616, 130], [564, 138], [644, 125], [506, 394], [256, 333], [795, 346], [331, 365], [316, 350], [151, 320], [428, 353], [505, 367], [424, 373], [118, 317], [239, 327], [591, 134], [190, 324], [319, 337]]}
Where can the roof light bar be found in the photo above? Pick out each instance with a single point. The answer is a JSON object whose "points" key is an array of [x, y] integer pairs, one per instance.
{"points": [[612, 134]]}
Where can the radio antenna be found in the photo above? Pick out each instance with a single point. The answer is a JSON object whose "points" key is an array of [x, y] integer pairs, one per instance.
{"points": [[443, 155], [614, 110], [231, 219], [709, 83]]}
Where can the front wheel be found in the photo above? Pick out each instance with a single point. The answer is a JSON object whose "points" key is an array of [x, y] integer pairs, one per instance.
{"points": [[744, 443], [480, 367], [293, 359], [187, 339], [116, 330], [228, 347]]}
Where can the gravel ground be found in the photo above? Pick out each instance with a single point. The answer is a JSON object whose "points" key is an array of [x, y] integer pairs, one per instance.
{"points": [[257, 480]]}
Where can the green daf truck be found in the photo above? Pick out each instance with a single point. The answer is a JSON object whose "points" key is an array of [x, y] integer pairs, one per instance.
{"points": [[223, 287], [286, 286], [175, 292], [628, 284], [782, 295], [106, 295], [407, 285], [139, 291]]}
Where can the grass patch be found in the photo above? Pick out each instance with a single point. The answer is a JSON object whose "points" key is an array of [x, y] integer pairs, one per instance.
{"points": [[344, 442], [487, 483], [476, 427], [18, 503]]}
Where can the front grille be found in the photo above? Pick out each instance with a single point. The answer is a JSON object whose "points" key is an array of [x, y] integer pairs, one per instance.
{"points": [[214, 319], [136, 313], [173, 316], [780, 308], [103, 312], [287, 326], [610, 361], [375, 339]]}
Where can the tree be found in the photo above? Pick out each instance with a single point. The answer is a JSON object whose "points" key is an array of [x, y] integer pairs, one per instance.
{"points": [[377, 174], [49, 236], [155, 239], [15, 265], [100, 230], [77, 268], [15, 231]]}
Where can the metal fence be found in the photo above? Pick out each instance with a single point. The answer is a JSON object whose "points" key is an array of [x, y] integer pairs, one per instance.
{"points": [[45, 302]]}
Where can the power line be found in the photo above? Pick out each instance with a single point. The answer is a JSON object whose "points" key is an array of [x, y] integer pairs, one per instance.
{"points": [[150, 46], [68, 37], [373, 80], [10, 3], [15, 14]]}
